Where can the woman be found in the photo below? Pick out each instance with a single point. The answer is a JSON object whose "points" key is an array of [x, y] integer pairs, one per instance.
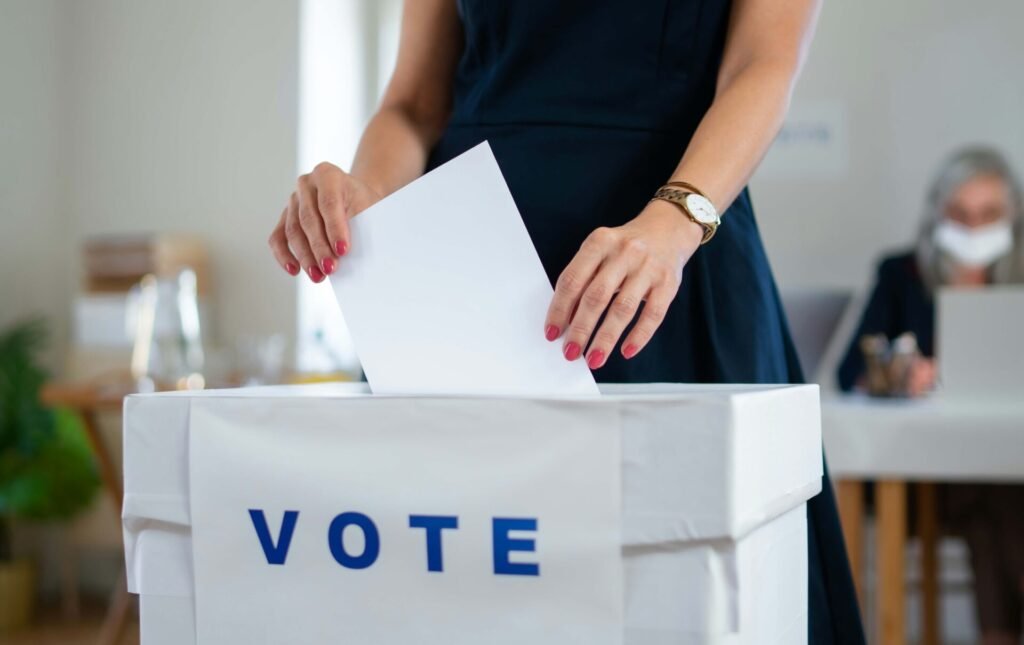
{"points": [[590, 107], [971, 237]]}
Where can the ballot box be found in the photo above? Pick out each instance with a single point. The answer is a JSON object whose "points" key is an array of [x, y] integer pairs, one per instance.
{"points": [[693, 504]]}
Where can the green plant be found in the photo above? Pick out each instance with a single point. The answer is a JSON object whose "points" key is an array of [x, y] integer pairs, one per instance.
{"points": [[46, 467]]}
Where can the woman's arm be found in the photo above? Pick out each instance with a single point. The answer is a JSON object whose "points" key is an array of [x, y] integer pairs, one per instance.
{"points": [[313, 232], [765, 48], [416, 104], [642, 261]]}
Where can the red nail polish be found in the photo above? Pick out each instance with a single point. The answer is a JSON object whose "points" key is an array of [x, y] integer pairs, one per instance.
{"points": [[341, 247], [552, 332], [328, 266], [630, 350], [291, 268], [315, 275], [571, 351], [596, 359]]}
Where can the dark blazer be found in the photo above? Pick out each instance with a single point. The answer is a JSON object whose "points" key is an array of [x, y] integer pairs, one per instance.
{"points": [[900, 302]]}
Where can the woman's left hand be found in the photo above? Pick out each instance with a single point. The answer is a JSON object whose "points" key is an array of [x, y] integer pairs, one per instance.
{"points": [[615, 270]]}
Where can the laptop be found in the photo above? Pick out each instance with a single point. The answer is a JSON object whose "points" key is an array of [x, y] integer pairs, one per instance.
{"points": [[980, 341]]}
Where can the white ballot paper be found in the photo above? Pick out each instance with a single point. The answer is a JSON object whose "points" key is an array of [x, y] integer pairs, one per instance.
{"points": [[405, 521], [443, 291]]}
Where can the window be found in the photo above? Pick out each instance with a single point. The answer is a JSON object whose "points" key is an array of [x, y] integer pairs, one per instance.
{"points": [[346, 51]]}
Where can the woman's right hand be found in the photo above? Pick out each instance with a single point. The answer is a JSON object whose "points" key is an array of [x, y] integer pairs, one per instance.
{"points": [[921, 379], [313, 232]]}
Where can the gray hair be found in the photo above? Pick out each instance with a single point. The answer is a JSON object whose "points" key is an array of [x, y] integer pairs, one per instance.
{"points": [[961, 167]]}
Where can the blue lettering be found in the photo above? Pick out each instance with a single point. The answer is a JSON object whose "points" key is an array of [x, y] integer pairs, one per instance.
{"points": [[434, 524], [276, 554], [503, 545], [371, 538], [275, 550]]}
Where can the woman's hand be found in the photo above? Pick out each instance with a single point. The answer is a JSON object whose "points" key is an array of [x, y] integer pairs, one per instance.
{"points": [[615, 270], [313, 230], [921, 379]]}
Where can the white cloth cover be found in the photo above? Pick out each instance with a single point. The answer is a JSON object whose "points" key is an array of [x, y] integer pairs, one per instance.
{"points": [[941, 437]]}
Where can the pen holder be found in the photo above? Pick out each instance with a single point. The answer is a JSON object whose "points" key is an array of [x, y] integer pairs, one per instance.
{"points": [[888, 364]]}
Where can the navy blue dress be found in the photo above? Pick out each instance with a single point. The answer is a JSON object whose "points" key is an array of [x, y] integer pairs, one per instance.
{"points": [[588, 106]]}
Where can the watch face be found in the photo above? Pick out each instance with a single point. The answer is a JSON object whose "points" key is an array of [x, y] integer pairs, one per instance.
{"points": [[702, 209]]}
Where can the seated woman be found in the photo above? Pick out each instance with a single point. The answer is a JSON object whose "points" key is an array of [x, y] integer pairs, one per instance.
{"points": [[971, 237]]}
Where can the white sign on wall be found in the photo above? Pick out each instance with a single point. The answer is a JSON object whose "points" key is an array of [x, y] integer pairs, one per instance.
{"points": [[404, 521], [812, 143]]}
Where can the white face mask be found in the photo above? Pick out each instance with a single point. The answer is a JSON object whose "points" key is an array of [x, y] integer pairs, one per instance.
{"points": [[976, 247]]}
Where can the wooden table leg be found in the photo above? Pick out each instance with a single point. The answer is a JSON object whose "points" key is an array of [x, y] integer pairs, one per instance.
{"points": [[120, 600], [850, 497], [70, 599], [891, 502], [117, 613], [928, 532], [108, 472]]}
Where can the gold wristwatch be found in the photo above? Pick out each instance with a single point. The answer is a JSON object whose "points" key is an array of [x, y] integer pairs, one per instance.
{"points": [[694, 205]]}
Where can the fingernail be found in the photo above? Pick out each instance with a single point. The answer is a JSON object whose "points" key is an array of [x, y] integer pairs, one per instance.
{"points": [[596, 359], [291, 268], [552, 332], [315, 275], [629, 351], [571, 351], [328, 265], [341, 247]]}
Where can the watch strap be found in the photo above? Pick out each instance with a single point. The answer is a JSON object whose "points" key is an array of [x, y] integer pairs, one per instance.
{"points": [[688, 186], [672, 194]]}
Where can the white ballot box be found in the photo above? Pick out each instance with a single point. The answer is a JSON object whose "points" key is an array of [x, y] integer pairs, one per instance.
{"points": [[649, 515]]}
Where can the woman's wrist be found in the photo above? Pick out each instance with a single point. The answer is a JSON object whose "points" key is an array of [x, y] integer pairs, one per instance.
{"points": [[374, 189], [685, 233]]}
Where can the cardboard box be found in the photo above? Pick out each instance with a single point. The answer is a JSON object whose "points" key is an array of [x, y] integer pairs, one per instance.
{"points": [[715, 480], [113, 263]]}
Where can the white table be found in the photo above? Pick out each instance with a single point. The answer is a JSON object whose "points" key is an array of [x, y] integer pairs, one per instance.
{"points": [[895, 442]]}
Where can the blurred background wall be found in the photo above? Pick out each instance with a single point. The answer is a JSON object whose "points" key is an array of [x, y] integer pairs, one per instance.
{"points": [[32, 223], [124, 116], [889, 90]]}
